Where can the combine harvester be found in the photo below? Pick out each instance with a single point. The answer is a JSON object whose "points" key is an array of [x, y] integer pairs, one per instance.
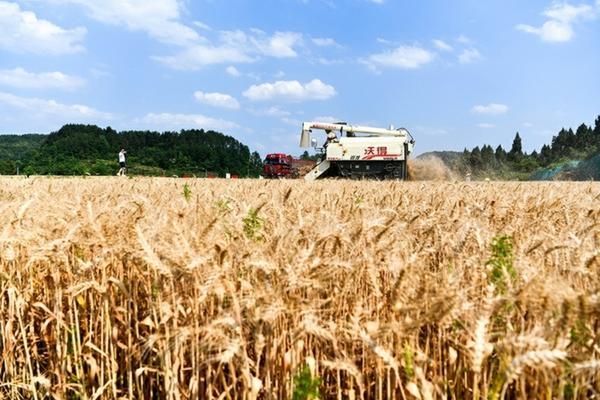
{"points": [[359, 152]]}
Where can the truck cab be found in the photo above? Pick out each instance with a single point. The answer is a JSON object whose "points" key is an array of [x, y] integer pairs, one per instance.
{"points": [[278, 165]]}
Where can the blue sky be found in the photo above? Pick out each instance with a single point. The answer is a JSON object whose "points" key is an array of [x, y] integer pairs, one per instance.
{"points": [[455, 73]]}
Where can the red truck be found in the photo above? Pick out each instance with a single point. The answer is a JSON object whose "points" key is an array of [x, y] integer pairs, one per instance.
{"points": [[280, 165]]}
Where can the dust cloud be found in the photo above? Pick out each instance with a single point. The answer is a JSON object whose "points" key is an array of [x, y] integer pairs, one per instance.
{"points": [[429, 168]]}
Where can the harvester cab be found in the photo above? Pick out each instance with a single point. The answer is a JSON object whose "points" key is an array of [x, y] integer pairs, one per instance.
{"points": [[359, 152]]}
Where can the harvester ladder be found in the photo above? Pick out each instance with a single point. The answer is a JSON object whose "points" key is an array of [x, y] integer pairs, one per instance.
{"points": [[317, 171]]}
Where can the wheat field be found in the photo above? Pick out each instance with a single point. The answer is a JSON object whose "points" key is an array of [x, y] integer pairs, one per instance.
{"points": [[184, 289]]}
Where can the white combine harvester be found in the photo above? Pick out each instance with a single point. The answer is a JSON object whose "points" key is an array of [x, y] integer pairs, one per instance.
{"points": [[359, 152]]}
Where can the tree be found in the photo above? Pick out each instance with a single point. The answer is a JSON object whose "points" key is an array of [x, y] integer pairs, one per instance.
{"points": [[527, 164], [256, 164], [534, 154], [475, 158], [596, 134], [563, 143], [545, 155], [466, 155], [500, 154], [79, 149], [583, 138], [488, 157], [516, 152]]}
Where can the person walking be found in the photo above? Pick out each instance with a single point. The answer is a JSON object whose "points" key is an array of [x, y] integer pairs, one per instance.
{"points": [[122, 165]]}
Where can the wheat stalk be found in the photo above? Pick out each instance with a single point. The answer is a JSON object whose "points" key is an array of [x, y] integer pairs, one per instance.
{"points": [[116, 288]]}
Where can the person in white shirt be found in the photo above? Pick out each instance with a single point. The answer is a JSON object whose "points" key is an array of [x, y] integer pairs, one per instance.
{"points": [[122, 164]]}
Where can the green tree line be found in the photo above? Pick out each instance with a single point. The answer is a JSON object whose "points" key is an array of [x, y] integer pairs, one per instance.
{"points": [[566, 145], [89, 149]]}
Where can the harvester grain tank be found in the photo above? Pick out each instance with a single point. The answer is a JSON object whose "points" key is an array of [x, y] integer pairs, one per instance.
{"points": [[359, 152]]}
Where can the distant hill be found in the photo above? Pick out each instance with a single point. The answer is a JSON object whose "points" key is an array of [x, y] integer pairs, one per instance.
{"points": [[16, 149], [588, 169], [571, 155], [574, 170], [89, 149], [15, 146]]}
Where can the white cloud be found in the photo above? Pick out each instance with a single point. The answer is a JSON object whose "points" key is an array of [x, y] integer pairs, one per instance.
{"points": [[469, 56], [233, 71], [441, 45], [403, 57], [23, 32], [561, 20], [185, 121], [327, 119], [529, 124], [198, 56], [158, 18], [161, 20], [490, 109], [291, 121], [41, 107], [202, 25], [567, 13], [464, 39], [98, 73], [22, 79], [328, 61], [235, 47], [290, 91], [324, 42], [217, 100], [280, 45], [551, 31], [273, 111], [486, 126]]}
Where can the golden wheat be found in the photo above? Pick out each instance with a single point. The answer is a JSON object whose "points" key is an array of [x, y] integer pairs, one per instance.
{"points": [[127, 288]]}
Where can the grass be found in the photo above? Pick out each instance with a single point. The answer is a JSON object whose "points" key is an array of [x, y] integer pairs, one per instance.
{"points": [[503, 272], [305, 386], [125, 288]]}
